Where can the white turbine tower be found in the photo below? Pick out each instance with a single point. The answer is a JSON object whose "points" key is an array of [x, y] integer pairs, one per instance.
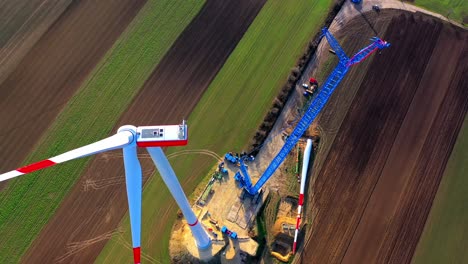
{"points": [[128, 138]]}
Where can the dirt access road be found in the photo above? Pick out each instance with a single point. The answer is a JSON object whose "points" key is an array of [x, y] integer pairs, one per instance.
{"points": [[50, 73], [372, 196], [89, 215]]}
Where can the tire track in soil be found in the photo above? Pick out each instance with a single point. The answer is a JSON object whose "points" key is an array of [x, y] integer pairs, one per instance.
{"points": [[169, 95]]}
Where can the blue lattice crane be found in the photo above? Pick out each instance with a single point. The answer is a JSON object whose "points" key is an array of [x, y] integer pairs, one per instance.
{"points": [[314, 109]]}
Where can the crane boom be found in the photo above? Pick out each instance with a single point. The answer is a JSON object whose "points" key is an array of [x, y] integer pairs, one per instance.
{"points": [[367, 51], [335, 46], [314, 109]]}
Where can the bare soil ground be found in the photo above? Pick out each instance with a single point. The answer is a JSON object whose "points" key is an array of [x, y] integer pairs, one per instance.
{"points": [[374, 191], [23, 22], [49, 74], [97, 203]]}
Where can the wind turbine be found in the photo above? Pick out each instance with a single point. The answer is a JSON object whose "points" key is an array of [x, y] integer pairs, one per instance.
{"points": [[128, 138]]}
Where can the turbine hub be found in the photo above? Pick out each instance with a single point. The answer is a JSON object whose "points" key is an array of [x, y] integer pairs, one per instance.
{"points": [[131, 129]]}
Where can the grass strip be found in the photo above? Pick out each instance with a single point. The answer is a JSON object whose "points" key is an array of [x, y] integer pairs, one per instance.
{"points": [[445, 234]]}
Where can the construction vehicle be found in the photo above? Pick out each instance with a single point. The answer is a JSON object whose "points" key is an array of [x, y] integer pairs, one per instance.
{"points": [[231, 158], [280, 257], [356, 1], [214, 222], [310, 91], [238, 178], [218, 175], [222, 169], [313, 81], [208, 191], [312, 88], [228, 232]]}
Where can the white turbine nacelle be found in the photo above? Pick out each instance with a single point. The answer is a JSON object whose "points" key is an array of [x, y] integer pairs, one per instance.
{"points": [[129, 138], [162, 136]]}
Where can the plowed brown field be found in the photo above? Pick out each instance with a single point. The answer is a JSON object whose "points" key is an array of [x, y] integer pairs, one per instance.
{"points": [[376, 187], [42, 83], [23, 24], [169, 94]]}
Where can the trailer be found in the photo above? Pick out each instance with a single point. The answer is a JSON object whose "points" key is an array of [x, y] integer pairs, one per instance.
{"points": [[228, 232]]}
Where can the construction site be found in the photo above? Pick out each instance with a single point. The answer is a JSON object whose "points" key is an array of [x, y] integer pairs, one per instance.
{"points": [[275, 204], [344, 168], [228, 214]]}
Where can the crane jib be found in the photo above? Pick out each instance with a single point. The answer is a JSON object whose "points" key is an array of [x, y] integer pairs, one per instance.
{"points": [[315, 107]]}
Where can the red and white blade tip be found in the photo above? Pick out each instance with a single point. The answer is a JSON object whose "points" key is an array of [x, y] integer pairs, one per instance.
{"points": [[116, 141]]}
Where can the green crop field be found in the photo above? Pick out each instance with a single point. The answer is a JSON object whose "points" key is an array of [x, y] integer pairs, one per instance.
{"points": [[445, 235], [27, 203], [453, 9], [227, 115]]}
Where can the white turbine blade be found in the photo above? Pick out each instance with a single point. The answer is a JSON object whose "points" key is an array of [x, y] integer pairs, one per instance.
{"points": [[116, 141], [170, 179], [9, 175], [113, 142], [134, 182]]}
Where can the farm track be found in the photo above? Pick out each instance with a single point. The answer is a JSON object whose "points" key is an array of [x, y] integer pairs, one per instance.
{"points": [[169, 95], [50, 73], [376, 186]]}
